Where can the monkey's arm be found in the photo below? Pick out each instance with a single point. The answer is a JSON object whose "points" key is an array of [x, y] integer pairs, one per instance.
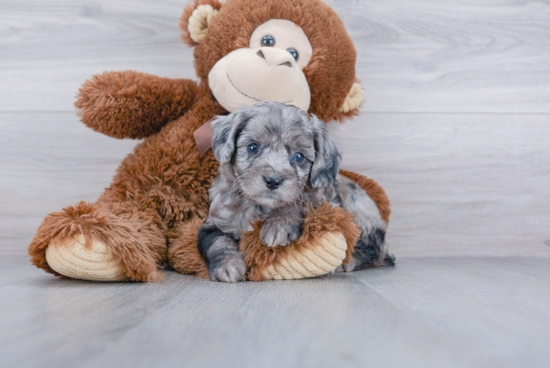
{"points": [[130, 104], [328, 236]]}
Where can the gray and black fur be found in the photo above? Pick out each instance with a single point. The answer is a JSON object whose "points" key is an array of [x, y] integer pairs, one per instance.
{"points": [[275, 161]]}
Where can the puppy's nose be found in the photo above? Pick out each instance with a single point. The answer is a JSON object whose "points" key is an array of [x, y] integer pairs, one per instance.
{"points": [[273, 182]]}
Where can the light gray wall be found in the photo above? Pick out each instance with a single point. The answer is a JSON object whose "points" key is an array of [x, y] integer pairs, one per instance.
{"points": [[456, 123]]}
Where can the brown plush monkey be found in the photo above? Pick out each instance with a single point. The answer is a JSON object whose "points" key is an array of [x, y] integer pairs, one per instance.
{"points": [[291, 51]]}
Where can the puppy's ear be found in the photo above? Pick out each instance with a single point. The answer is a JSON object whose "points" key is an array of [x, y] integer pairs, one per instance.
{"points": [[225, 131], [327, 156]]}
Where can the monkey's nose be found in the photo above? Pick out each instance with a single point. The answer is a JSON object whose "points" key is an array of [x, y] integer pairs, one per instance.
{"points": [[276, 57], [273, 182]]}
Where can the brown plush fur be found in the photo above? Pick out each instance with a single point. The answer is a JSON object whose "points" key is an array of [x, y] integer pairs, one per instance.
{"points": [[319, 221], [164, 181], [160, 190], [116, 227], [184, 255], [112, 102], [375, 191]]}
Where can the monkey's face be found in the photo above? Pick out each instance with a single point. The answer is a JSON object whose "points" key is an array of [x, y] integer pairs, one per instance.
{"points": [[270, 69], [295, 52]]}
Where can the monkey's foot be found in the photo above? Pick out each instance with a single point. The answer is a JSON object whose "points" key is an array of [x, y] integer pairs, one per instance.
{"points": [[321, 257], [72, 258], [329, 235]]}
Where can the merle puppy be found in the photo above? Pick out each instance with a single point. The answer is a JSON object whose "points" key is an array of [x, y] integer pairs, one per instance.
{"points": [[275, 161]]}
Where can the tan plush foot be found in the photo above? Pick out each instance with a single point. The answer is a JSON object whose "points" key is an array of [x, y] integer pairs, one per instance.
{"points": [[323, 256], [71, 258]]}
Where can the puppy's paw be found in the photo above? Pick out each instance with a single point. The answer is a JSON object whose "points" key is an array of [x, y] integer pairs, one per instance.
{"points": [[279, 231], [347, 267], [229, 267]]}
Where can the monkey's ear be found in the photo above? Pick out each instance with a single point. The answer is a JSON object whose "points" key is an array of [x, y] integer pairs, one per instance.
{"points": [[327, 156], [353, 99], [197, 17], [225, 132]]}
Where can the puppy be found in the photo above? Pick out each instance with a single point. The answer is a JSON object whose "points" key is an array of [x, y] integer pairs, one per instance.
{"points": [[275, 161]]}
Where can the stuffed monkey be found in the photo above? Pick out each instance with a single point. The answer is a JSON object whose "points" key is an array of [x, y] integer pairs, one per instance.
{"points": [[291, 51]]}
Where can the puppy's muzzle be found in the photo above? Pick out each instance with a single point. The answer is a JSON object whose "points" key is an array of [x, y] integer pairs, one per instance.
{"points": [[273, 182]]}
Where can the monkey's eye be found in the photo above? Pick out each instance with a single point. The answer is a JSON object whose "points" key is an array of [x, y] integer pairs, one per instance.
{"points": [[298, 157], [268, 41], [253, 148], [293, 52]]}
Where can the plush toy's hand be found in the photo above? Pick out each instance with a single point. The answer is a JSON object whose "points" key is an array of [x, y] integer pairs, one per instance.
{"points": [[282, 227], [228, 267], [328, 236], [129, 104]]}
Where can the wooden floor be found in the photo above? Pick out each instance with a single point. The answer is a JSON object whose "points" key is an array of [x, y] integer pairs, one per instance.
{"points": [[455, 127], [437, 312]]}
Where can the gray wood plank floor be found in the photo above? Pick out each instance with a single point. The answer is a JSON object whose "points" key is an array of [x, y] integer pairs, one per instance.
{"points": [[456, 128], [438, 312]]}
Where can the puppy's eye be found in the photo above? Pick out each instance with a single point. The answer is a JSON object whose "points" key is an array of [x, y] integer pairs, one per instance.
{"points": [[253, 148], [268, 41], [298, 157], [294, 53]]}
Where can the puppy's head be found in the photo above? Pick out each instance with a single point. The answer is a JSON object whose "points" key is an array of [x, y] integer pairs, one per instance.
{"points": [[275, 151]]}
